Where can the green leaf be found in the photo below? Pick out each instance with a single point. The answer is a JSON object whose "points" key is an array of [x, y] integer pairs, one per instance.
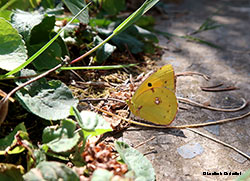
{"points": [[11, 172], [104, 51], [92, 124], [244, 177], [99, 22], [49, 58], [40, 32], [136, 162], [9, 140], [148, 4], [5, 14], [146, 22], [24, 22], [49, 100], [113, 7], [75, 6], [39, 155], [61, 139], [51, 171], [101, 175], [12, 48], [124, 39]]}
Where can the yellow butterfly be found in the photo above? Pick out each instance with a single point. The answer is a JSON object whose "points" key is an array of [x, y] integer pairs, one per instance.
{"points": [[155, 99]]}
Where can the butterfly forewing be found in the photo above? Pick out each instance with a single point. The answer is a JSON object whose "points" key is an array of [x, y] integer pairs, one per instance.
{"points": [[163, 77], [157, 105]]}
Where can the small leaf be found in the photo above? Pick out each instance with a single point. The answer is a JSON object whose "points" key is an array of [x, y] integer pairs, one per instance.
{"points": [[51, 171], [136, 162], [49, 100], [11, 172], [12, 48], [75, 6], [61, 139], [91, 123], [8, 140], [101, 175], [104, 51]]}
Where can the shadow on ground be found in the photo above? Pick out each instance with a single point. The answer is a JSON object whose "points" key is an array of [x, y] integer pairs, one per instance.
{"points": [[229, 66]]}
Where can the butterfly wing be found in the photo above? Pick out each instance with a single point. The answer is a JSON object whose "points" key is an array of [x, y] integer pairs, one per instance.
{"points": [[157, 105], [163, 77]]}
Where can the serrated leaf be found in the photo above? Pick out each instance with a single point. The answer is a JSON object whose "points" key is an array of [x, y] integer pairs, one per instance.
{"points": [[51, 171], [8, 140], [12, 48], [101, 175], [61, 139], [136, 162], [75, 6], [11, 172], [49, 100], [92, 124], [104, 51]]}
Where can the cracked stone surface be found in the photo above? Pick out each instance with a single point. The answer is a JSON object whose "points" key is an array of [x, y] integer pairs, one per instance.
{"points": [[230, 66]]}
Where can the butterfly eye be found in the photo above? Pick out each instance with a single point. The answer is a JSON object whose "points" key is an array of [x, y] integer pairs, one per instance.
{"points": [[149, 84]]}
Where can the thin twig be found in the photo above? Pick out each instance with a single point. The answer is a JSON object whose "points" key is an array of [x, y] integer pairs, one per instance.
{"points": [[206, 77], [102, 99], [142, 143], [31, 80], [219, 89], [177, 127], [181, 99], [213, 86], [76, 74], [221, 142]]}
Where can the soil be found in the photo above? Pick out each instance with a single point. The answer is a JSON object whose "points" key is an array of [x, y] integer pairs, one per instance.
{"points": [[229, 66]]}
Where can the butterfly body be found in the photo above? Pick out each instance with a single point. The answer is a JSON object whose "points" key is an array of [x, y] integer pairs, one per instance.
{"points": [[155, 99]]}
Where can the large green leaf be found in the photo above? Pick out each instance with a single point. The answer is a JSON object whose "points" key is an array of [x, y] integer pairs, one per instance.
{"points": [[92, 124], [136, 162], [61, 139], [25, 21], [49, 100], [51, 171], [40, 32], [10, 139], [75, 6], [12, 48]]}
